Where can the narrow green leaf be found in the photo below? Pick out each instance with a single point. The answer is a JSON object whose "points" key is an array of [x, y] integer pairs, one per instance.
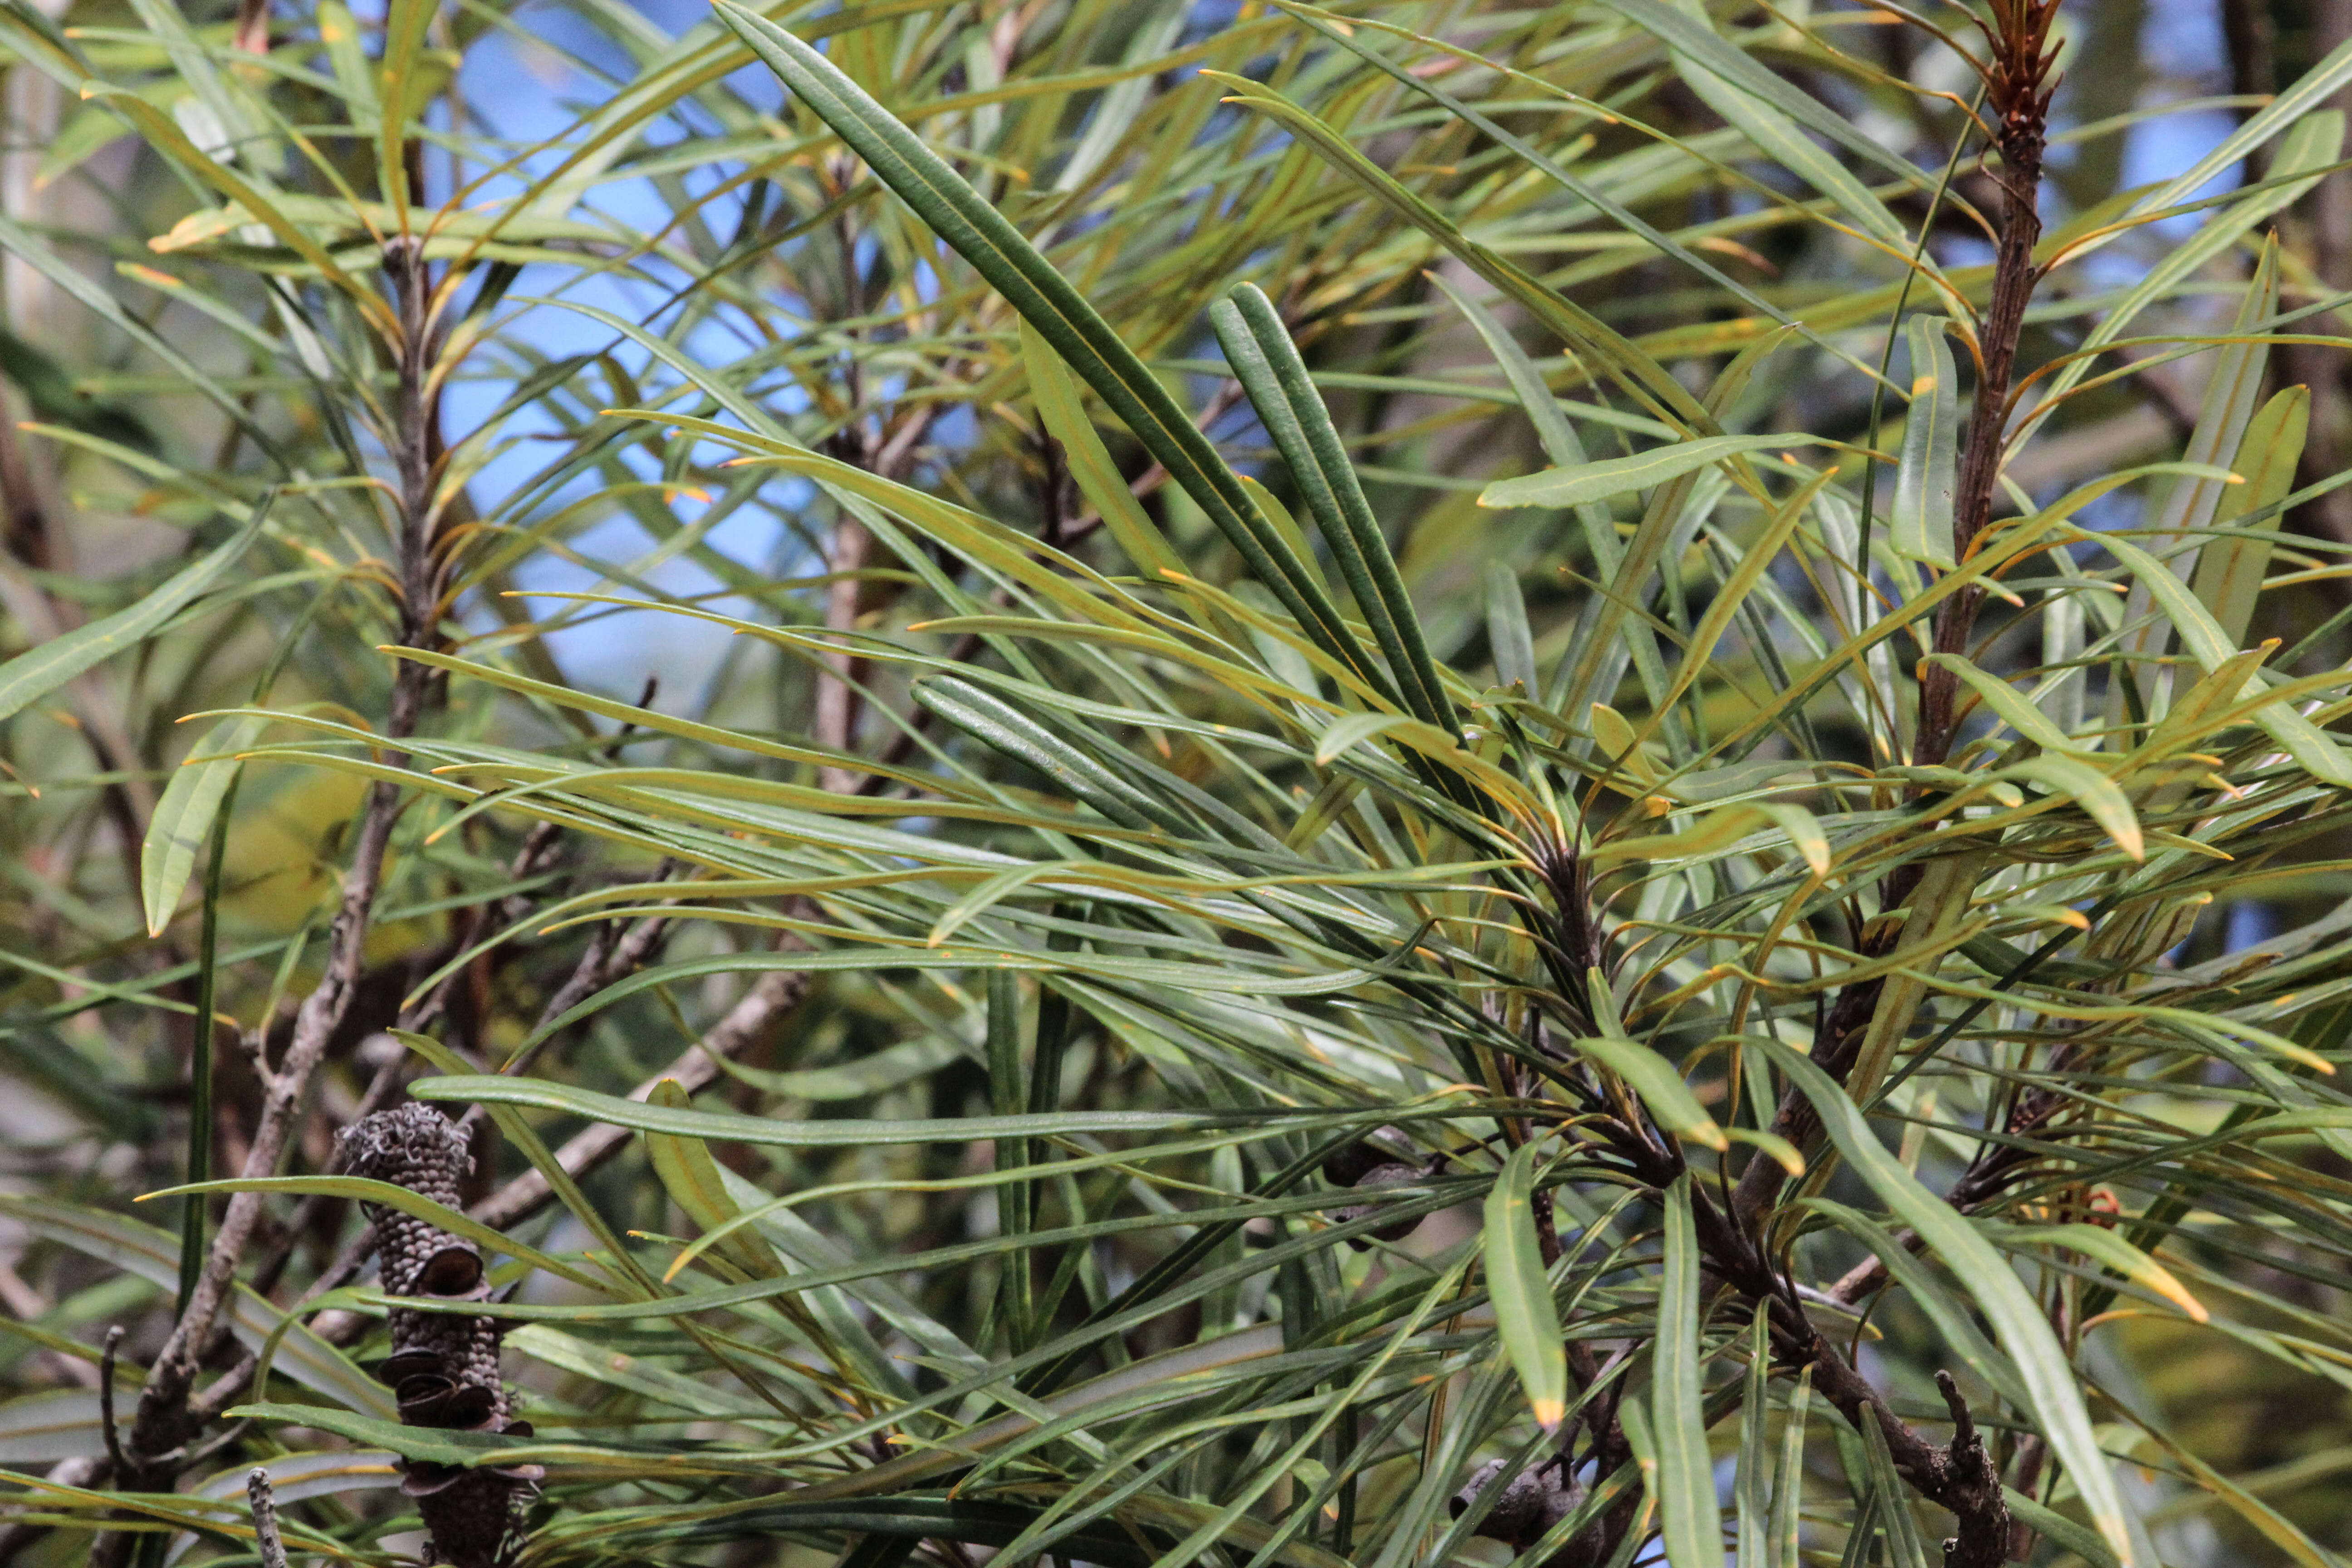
{"points": [[2283, 112], [1638, 371], [1660, 1087], [1566, 452], [2007, 705], [1508, 637], [1352, 730], [1920, 522], [1754, 562], [62, 1423], [2223, 413], [859, 1078], [2087, 1545], [384, 1194], [1278, 387], [1752, 1486], [154, 1256], [1089, 460], [2103, 1246], [339, 31], [2226, 409], [1687, 1516], [986, 896], [2095, 792], [2203, 639], [184, 817], [1934, 921], [1688, 36], [2230, 571], [1778, 137], [1723, 825], [38, 671], [1904, 1547], [398, 92], [997, 250], [1021, 738], [1566, 487], [1525, 1312], [1789, 1489], [1008, 1095], [691, 1177], [1949, 1316], [846, 1132], [627, 1272]]}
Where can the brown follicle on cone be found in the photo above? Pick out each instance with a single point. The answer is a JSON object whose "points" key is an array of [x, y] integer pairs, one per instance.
{"points": [[1531, 1505], [1368, 1165], [444, 1367]]}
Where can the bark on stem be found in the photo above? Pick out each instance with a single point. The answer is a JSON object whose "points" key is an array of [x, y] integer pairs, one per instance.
{"points": [[164, 1422]]}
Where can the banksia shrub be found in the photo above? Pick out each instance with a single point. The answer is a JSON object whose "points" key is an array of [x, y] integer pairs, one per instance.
{"points": [[1202, 785]]}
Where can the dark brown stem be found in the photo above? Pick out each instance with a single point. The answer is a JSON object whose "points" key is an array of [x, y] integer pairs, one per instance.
{"points": [[1975, 1497], [1053, 493], [1960, 1477], [415, 437], [2026, 1472]]}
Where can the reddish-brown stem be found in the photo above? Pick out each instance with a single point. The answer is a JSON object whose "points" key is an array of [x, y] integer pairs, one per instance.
{"points": [[2021, 98], [2018, 88]]}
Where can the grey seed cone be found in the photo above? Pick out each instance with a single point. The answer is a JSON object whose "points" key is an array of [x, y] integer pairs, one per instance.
{"points": [[444, 1367]]}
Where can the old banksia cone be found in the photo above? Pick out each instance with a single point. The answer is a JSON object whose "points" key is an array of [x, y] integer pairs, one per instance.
{"points": [[444, 1367], [1368, 1165]]}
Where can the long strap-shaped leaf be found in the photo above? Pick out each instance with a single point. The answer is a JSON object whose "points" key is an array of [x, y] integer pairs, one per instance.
{"points": [[33, 674], [960, 216], [1685, 1488], [1261, 353]]}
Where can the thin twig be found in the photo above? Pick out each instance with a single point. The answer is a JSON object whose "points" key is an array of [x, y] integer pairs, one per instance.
{"points": [[163, 1427], [266, 1539], [106, 1399]]}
